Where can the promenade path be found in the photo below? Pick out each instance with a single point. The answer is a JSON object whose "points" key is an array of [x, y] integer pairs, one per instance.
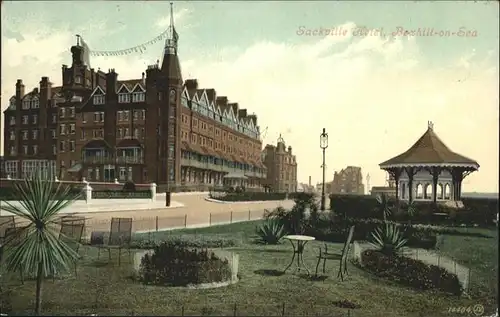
{"points": [[196, 212]]}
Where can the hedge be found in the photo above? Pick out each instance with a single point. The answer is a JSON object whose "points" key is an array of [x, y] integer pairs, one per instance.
{"points": [[251, 196], [337, 231], [480, 211], [10, 193], [120, 194], [411, 272]]}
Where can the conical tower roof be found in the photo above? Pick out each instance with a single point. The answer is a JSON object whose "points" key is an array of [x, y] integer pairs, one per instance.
{"points": [[429, 150]]}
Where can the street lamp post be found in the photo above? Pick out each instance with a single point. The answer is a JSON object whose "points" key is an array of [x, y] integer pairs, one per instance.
{"points": [[323, 144]]}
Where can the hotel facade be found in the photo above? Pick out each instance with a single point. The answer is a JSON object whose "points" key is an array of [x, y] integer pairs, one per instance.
{"points": [[156, 128]]}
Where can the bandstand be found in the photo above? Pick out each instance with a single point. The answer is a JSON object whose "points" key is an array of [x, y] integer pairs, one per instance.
{"points": [[429, 170]]}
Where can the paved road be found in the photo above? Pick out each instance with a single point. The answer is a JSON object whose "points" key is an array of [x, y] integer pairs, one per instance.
{"points": [[196, 211]]}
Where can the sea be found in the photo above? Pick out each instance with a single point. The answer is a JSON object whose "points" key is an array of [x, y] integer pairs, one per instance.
{"points": [[480, 195]]}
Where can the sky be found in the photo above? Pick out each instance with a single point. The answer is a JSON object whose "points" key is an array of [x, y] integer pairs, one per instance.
{"points": [[301, 67]]}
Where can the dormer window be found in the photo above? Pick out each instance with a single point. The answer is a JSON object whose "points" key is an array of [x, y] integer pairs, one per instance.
{"points": [[12, 104], [78, 80], [138, 97], [123, 98], [184, 102], [99, 100], [35, 104], [26, 104]]}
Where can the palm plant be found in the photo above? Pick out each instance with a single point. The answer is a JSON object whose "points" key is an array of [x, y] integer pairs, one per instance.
{"points": [[388, 239], [271, 232], [411, 210], [384, 206], [41, 253]]}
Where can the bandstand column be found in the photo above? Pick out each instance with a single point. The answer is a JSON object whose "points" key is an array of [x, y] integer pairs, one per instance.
{"points": [[435, 171], [410, 171], [396, 173]]}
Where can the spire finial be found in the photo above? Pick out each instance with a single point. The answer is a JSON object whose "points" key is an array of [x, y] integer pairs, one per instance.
{"points": [[430, 125], [77, 40], [171, 35], [171, 14]]}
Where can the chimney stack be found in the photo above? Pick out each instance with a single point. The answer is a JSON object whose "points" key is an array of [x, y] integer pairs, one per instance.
{"points": [[19, 89], [242, 113], [111, 80], [290, 150], [45, 88], [191, 84]]}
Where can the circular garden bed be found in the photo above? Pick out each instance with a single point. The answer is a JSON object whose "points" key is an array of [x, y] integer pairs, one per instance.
{"points": [[175, 264]]}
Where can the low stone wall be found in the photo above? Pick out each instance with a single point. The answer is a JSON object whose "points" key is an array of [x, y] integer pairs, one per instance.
{"points": [[426, 256], [232, 258]]}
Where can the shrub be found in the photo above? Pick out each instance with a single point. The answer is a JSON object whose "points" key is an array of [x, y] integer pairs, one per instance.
{"points": [[336, 231], [270, 232], [410, 272], [129, 186], [188, 241], [479, 211], [176, 265], [239, 195], [239, 189], [388, 239], [9, 193], [295, 221]]}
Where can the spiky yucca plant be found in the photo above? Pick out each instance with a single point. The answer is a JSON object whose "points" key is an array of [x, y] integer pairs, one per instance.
{"points": [[384, 206], [270, 232], [40, 253], [388, 239]]}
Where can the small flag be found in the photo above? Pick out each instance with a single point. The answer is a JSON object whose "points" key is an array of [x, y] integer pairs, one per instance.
{"points": [[86, 53]]}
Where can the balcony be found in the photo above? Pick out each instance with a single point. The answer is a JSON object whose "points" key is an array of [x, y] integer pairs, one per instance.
{"points": [[202, 165], [130, 160], [98, 159], [255, 174]]}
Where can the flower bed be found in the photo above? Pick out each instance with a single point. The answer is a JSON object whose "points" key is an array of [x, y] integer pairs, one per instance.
{"points": [[411, 272], [173, 264]]}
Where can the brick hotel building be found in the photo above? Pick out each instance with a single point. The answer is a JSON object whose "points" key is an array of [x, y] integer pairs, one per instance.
{"points": [[157, 128]]}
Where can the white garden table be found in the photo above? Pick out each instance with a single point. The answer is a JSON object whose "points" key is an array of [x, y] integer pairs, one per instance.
{"points": [[298, 250]]}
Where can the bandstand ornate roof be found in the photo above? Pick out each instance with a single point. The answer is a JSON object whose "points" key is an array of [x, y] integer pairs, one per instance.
{"points": [[429, 150]]}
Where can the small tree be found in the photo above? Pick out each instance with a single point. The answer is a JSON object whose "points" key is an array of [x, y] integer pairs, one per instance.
{"points": [[41, 253]]}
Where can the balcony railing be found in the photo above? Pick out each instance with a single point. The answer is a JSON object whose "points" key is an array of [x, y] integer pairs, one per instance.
{"points": [[220, 168], [113, 160], [98, 160], [130, 160]]}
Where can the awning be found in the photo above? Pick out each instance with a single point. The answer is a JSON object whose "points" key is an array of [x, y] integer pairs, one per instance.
{"points": [[209, 151], [196, 148], [222, 155], [75, 168], [233, 158], [235, 176], [129, 143]]}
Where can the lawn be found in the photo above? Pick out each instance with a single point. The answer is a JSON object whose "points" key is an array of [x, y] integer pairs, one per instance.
{"points": [[105, 288]]}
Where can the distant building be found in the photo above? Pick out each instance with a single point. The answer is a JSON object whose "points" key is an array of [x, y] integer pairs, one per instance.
{"points": [[303, 187], [281, 167], [2, 167], [348, 181], [328, 187]]}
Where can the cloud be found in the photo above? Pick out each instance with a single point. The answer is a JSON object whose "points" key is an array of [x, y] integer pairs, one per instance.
{"points": [[164, 21], [373, 95]]}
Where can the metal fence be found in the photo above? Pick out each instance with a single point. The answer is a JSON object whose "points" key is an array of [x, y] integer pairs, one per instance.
{"points": [[163, 223]]}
